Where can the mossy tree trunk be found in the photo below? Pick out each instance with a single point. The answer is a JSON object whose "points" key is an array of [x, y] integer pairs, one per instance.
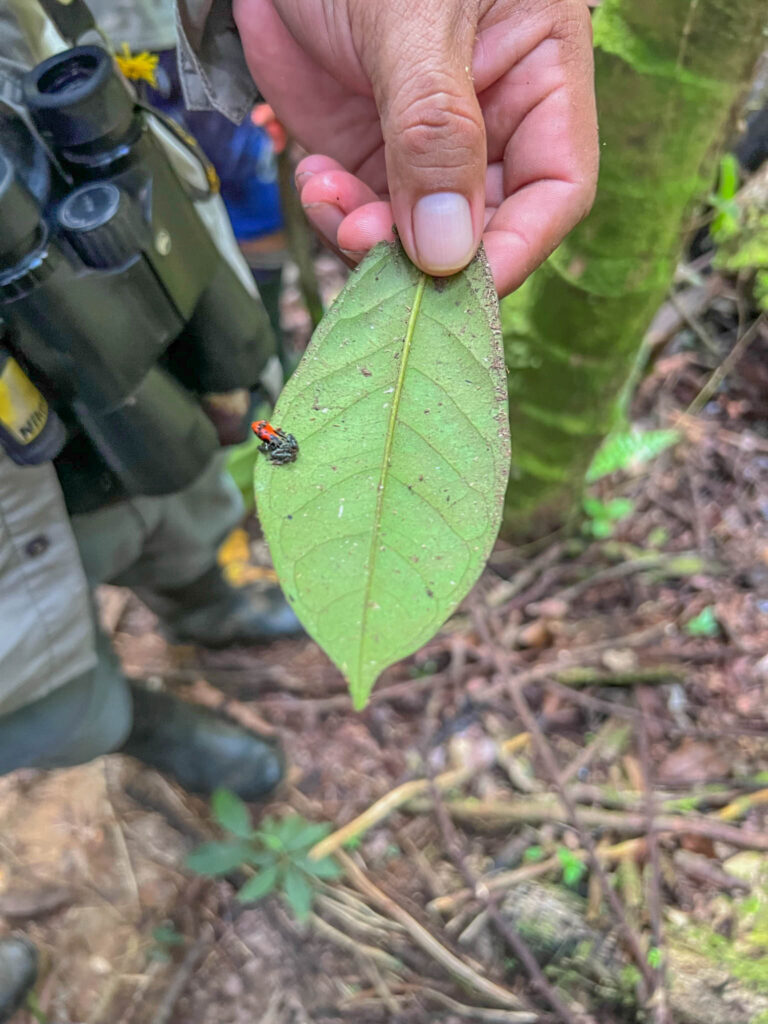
{"points": [[668, 73]]}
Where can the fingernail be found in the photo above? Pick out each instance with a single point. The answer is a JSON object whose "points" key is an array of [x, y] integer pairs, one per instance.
{"points": [[326, 218], [302, 178], [442, 231]]}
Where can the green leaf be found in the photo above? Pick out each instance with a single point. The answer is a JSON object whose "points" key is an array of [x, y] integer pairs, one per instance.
{"points": [[728, 184], [573, 866], [728, 212], [703, 624], [259, 886], [620, 451], [298, 892], [241, 460], [618, 508], [385, 520], [594, 508], [217, 858], [311, 832], [601, 528], [657, 538], [533, 854], [285, 829], [271, 840], [326, 867], [167, 935], [232, 814], [654, 957], [260, 858]]}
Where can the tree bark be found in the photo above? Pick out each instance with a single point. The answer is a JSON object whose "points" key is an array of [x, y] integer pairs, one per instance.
{"points": [[668, 73]]}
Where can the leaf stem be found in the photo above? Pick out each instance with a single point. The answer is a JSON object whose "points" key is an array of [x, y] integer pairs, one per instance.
{"points": [[420, 287]]}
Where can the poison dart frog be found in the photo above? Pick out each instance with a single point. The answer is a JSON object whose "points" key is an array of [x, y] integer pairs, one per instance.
{"points": [[276, 444]]}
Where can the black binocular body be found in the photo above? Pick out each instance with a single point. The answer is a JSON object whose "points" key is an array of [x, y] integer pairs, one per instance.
{"points": [[117, 300]]}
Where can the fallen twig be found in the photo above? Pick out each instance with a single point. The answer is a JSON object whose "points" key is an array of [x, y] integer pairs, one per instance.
{"points": [[581, 675], [608, 731], [181, 978], [488, 1015], [384, 806], [400, 795], [376, 928], [482, 1013], [703, 869], [494, 814], [627, 931], [716, 379], [379, 956], [506, 879], [516, 943], [494, 883], [738, 808], [658, 997], [425, 940]]}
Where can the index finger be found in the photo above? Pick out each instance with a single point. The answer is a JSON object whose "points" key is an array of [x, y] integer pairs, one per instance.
{"points": [[542, 122]]}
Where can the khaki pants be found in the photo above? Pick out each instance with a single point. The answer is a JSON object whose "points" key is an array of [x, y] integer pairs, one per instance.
{"points": [[146, 543]]}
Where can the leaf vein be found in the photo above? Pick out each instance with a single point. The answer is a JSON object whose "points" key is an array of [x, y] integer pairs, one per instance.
{"points": [[420, 288]]}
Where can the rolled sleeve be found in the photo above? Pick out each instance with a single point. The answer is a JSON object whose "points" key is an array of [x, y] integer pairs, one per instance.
{"points": [[212, 67]]}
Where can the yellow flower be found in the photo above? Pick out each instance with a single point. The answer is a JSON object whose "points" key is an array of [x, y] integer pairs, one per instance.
{"points": [[139, 66]]}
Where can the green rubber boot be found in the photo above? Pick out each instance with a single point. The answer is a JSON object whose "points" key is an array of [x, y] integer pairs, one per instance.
{"points": [[199, 749]]}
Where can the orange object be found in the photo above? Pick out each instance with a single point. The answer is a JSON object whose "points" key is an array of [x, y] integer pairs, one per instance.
{"points": [[263, 116]]}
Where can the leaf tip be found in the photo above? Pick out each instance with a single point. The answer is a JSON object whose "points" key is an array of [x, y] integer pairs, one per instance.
{"points": [[360, 690], [359, 698]]}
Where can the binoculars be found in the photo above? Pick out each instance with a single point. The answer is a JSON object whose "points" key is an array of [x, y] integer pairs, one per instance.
{"points": [[117, 300]]}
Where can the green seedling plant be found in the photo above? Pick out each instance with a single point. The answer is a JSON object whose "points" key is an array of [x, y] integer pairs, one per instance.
{"points": [[573, 867], [655, 957], [628, 449], [533, 854], [727, 213], [166, 938], [703, 624], [623, 450], [278, 850], [602, 516]]}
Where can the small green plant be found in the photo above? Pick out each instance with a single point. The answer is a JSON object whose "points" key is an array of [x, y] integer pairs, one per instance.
{"points": [[278, 849], [654, 957], [166, 938], [629, 448], [426, 668], [34, 1009], [602, 516], [533, 854], [657, 538], [703, 624], [727, 213], [573, 866]]}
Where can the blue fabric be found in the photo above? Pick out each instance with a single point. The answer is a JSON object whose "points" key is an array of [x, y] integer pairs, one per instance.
{"points": [[241, 153]]}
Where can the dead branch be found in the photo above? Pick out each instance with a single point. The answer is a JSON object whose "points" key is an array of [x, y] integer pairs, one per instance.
{"points": [[426, 941], [629, 934], [385, 806], [658, 997], [496, 814], [516, 943]]}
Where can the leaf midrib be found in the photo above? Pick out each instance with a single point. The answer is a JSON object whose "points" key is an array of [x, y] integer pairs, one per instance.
{"points": [[420, 288]]}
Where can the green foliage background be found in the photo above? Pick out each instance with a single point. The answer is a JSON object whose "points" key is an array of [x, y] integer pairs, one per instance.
{"points": [[668, 73]]}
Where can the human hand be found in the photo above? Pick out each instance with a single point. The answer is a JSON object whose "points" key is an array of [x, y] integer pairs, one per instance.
{"points": [[455, 120]]}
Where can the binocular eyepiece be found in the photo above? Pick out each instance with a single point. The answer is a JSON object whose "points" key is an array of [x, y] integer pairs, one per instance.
{"points": [[78, 102]]}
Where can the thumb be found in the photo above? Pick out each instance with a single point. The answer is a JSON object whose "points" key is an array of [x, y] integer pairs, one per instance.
{"points": [[434, 136]]}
